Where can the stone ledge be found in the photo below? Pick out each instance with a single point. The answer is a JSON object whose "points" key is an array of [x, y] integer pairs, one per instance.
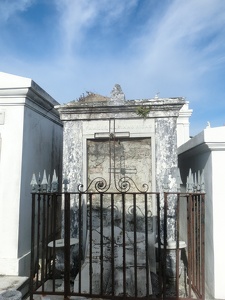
{"points": [[19, 283]]}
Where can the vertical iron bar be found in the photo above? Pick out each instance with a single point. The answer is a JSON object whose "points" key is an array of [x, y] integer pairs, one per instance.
{"points": [[135, 246], [159, 242], [54, 222], [194, 228], [48, 264], [32, 262], [113, 245], [189, 234], [38, 236], [90, 245], [177, 245], [165, 243], [80, 240], [198, 241], [43, 243], [124, 244], [203, 245], [67, 246], [146, 245], [102, 240]]}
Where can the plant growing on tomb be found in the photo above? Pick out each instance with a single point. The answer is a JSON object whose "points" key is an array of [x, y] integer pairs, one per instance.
{"points": [[143, 111]]}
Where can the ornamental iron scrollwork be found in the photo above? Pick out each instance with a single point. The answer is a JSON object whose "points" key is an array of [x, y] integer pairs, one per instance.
{"points": [[123, 184]]}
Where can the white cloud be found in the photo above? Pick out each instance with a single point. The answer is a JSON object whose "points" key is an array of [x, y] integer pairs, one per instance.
{"points": [[184, 43], [184, 34], [8, 8], [76, 17], [169, 55]]}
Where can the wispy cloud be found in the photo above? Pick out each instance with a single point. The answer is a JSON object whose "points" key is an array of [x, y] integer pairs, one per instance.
{"points": [[185, 42], [8, 8], [191, 31], [175, 47], [77, 17]]}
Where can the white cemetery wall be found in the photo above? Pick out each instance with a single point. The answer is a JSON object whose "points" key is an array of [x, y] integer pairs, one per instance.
{"points": [[31, 142], [207, 151], [10, 174], [42, 150]]}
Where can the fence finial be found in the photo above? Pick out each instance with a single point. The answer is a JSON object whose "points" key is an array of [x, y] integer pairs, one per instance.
{"points": [[44, 185], [199, 182], [202, 182], [44, 182], [65, 184], [54, 182], [195, 183], [33, 183], [190, 181], [39, 182], [49, 184]]}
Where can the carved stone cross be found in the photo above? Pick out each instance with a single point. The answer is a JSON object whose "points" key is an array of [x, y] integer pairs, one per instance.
{"points": [[112, 132], [123, 170]]}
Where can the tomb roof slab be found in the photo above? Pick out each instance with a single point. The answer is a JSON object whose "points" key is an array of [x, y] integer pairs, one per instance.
{"points": [[109, 109]]}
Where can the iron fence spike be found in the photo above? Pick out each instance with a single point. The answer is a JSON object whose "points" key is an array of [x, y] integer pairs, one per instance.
{"points": [[199, 181], [39, 182], [44, 182], [195, 182], [54, 177], [33, 183], [65, 184], [187, 184], [190, 181], [44, 179], [54, 182], [65, 181], [33, 180], [202, 182], [49, 184]]}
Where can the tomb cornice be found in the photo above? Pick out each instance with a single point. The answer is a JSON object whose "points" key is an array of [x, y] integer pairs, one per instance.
{"points": [[160, 108], [32, 96], [202, 148], [15, 94], [43, 101], [210, 139]]}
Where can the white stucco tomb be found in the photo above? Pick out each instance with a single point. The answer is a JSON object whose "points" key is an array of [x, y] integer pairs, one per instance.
{"points": [[206, 151], [30, 141]]}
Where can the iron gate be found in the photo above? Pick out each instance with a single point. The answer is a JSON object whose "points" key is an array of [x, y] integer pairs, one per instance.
{"points": [[118, 245]]}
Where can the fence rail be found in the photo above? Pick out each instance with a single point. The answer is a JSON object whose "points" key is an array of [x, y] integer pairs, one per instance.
{"points": [[118, 245]]}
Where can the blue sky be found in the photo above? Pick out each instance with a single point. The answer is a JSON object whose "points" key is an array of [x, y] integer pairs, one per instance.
{"points": [[68, 47]]}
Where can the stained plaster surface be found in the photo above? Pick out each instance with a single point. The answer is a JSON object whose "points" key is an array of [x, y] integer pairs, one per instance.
{"points": [[73, 153], [11, 282], [76, 115], [83, 118]]}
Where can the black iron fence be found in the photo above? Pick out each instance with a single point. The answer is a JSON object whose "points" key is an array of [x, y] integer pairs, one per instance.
{"points": [[118, 245]]}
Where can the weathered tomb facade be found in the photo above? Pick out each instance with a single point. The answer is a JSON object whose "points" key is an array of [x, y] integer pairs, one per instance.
{"points": [[116, 145], [146, 131], [113, 138]]}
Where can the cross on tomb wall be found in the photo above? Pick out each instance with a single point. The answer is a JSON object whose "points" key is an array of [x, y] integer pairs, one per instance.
{"points": [[113, 134], [123, 170]]}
